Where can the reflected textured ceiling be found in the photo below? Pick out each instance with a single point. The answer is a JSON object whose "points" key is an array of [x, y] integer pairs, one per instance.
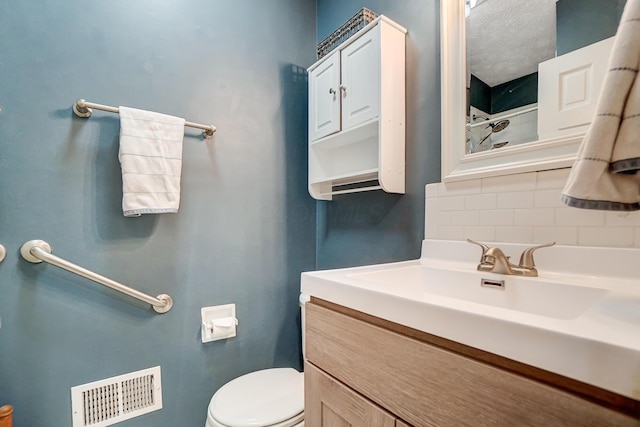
{"points": [[506, 39]]}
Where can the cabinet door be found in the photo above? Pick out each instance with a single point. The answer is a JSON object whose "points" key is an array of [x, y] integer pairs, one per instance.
{"points": [[324, 101], [360, 78], [328, 403]]}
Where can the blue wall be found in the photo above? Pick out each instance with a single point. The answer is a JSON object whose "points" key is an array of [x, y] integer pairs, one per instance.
{"points": [[375, 227], [478, 95], [580, 23], [246, 225], [503, 97]]}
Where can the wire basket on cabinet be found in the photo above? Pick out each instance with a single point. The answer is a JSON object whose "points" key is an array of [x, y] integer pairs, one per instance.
{"points": [[346, 30]]}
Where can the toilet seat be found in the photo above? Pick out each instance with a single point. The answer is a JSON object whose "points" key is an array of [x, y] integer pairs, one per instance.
{"points": [[270, 397]]}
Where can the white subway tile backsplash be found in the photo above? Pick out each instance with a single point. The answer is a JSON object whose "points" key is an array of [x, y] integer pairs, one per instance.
{"points": [[431, 190], [540, 217], [518, 199], [444, 218], [455, 203], [497, 217], [431, 233], [547, 199], [464, 217], [459, 187], [579, 217], [555, 178], [481, 201], [618, 237], [560, 235], [481, 233], [523, 208], [514, 234], [622, 219], [448, 232], [431, 219]]}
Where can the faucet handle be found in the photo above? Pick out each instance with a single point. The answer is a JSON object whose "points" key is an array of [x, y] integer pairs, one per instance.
{"points": [[484, 247], [526, 259]]}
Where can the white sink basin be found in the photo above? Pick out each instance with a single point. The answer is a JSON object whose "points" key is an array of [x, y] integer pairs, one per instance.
{"points": [[527, 294], [580, 318]]}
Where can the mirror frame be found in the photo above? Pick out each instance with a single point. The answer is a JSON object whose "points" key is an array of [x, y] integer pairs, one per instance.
{"points": [[538, 155]]}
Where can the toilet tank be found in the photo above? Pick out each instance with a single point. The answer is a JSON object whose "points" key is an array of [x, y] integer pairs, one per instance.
{"points": [[304, 298]]}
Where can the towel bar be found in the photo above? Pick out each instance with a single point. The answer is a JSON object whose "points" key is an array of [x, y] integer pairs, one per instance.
{"points": [[83, 108], [36, 251]]}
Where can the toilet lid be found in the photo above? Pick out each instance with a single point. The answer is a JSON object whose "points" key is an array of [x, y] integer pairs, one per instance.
{"points": [[260, 398]]}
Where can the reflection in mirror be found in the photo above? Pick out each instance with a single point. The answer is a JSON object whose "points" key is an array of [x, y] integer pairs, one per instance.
{"points": [[567, 85], [506, 40]]}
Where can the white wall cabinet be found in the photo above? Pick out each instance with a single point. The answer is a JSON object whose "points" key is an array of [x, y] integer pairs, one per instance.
{"points": [[357, 114]]}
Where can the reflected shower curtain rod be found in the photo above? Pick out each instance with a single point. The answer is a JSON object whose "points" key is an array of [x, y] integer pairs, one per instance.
{"points": [[83, 108], [498, 118]]}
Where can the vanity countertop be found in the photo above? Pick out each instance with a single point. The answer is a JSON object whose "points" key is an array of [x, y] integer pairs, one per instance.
{"points": [[592, 335]]}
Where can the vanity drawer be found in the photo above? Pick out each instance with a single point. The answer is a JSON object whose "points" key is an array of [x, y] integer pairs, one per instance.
{"points": [[334, 404], [429, 386]]}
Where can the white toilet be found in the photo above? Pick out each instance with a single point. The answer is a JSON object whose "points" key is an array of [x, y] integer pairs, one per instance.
{"points": [[270, 397]]}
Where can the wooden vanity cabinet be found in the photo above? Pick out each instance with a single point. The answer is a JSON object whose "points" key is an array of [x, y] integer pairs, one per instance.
{"points": [[368, 372]]}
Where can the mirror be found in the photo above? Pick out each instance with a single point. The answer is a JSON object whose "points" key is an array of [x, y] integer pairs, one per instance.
{"points": [[459, 161]]}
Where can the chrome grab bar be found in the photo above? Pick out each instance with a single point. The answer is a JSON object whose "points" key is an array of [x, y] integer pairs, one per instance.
{"points": [[36, 251]]}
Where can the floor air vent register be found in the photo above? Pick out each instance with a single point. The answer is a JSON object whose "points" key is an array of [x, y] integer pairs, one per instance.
{"points": [[112, 400]]}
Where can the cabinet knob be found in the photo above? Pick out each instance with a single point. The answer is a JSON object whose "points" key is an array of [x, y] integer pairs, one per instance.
{"points": [[343, 89], [332, 91]]}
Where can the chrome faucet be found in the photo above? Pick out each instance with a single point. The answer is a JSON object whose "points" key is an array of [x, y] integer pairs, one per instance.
{"points": [[495, 261]]}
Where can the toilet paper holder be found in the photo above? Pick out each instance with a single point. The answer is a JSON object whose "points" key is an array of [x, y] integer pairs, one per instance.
{"points": [[218, 322]]}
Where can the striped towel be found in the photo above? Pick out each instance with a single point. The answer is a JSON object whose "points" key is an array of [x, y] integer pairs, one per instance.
{"points": [[151, 160], [605, 174]]}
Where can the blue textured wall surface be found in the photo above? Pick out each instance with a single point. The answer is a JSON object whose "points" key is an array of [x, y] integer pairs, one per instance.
{"points": [[368, 228], [478, 95], [246, 225], [514, 93]]}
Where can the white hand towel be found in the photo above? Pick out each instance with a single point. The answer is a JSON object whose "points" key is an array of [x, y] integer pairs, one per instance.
{"points": [[151, 161], [605, 174]]}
